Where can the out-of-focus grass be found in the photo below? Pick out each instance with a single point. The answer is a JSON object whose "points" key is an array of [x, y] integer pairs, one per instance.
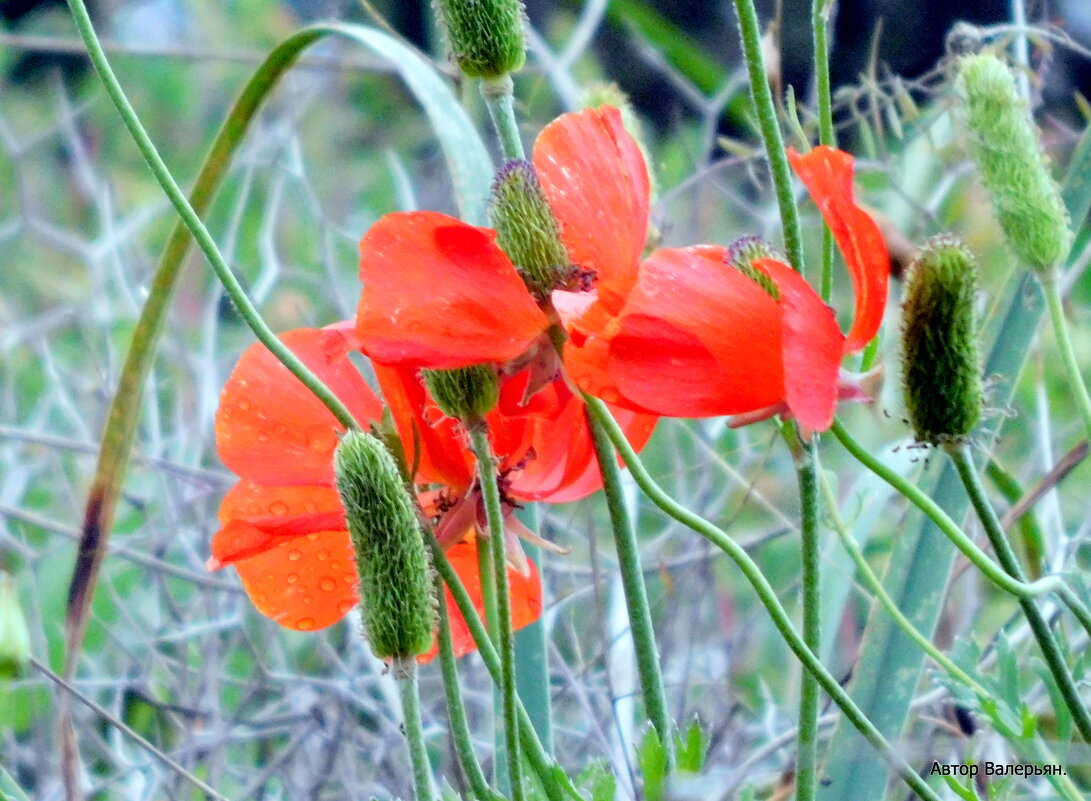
{"points": [[259, 712]]}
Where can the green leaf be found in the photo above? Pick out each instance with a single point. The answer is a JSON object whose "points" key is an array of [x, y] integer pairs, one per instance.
{"points": [[964, 791], [598, 779], [651, 757], [692, 746], [9, 790]]}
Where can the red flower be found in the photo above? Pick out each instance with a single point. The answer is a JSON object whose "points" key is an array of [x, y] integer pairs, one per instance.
{"points": [[695, 337], [282, 524]]}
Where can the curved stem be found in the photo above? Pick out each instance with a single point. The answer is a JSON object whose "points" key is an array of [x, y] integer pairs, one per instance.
{"points": [[636, 594], [500, 100], [404, 669], [762, 95], [551, 777], [1051, 650], [504, 636], [1052, 291], [456, 710], [766, 595], [196, 226], [994, 572], [806, 464]]}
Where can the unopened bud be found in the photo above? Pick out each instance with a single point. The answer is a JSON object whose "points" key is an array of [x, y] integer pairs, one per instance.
{"points": [[14, 634], [395, 576], [1004, 143], [467, 394], [744, 251], [941, 367], [486, 36], [527, 231]]}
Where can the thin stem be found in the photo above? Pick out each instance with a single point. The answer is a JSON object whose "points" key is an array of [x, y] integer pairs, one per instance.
{"points": [[1052, 289], [1051, 650], [766, 595], [806, 464], [994, 572], [875, 586], [762, 96], [503, 635], [548, 772], [193, 222], [636, 594], [500, 100], [456, 711], [820, 19], [404, 669]]}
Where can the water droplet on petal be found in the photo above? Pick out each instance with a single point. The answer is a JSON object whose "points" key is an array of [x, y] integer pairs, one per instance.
{"points": [[294, 556], [344, 606], [242, 404], [292, 578], [262, 436], [278, 508], [328, 583], [305, 623], [322, 556]]}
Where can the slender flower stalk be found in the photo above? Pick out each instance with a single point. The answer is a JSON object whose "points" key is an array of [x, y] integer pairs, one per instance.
{"points": [[766, 595], [807, 468], [502, 631], [500, 100], [820, 20], [1051, 288], [405, 673], [1051, 650]]}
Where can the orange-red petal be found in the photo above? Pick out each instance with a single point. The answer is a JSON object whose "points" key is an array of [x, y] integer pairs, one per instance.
{"points": [[439, 293], [306, 583], [256, 517], [270, 428], [827, 174], [596, 182], [696, 338], [526, 597], [812, 344]]}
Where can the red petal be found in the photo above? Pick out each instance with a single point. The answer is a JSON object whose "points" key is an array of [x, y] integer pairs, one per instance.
{"points": [[256, 517], [526, 597], [827, 174], [439, 293], [696, 339], [270, 428], [432, 441], [596, 182], [813, 347], [305, 584]]}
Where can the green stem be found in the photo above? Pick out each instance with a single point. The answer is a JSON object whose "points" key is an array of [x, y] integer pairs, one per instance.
{"points": [[806, 463], [404, 669], [500, 100], [503, 634], [456, 711], [820, 19], [762, 96], [875, 586], [1068, 356], [636, 594], [766, 595], [1030, 531], [994, 572], [551, 776], [1051, 650], [193, 222]]}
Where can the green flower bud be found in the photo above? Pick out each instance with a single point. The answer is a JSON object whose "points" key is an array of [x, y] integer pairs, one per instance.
{"points": [[14, 634], [527, 231], [391, 561], [940, 363], [486, 36], [744, 251], [1004, 143], [467, 394]]}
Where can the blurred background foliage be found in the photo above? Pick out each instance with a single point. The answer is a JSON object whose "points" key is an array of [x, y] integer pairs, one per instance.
{"points": [[179, 655]]}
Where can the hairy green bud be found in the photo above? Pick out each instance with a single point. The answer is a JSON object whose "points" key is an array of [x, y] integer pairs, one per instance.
{"points": [[1004, 143], [744, 251], [14, 634], [396, 597], [527, 231], [467, 393], [941, 366], [486, 36]]}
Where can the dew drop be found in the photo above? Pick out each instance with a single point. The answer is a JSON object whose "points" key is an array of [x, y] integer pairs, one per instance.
{"points": [[344, 606], [294, 556], [305, 623], [328, 584], [278, 508], [292, 578], [262, 436], [313, 537], [242, 404], [322, 556]]}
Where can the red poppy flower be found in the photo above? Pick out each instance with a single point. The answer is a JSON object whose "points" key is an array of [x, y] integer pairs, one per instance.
{"points": [[282, 524], [695, 337]]}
